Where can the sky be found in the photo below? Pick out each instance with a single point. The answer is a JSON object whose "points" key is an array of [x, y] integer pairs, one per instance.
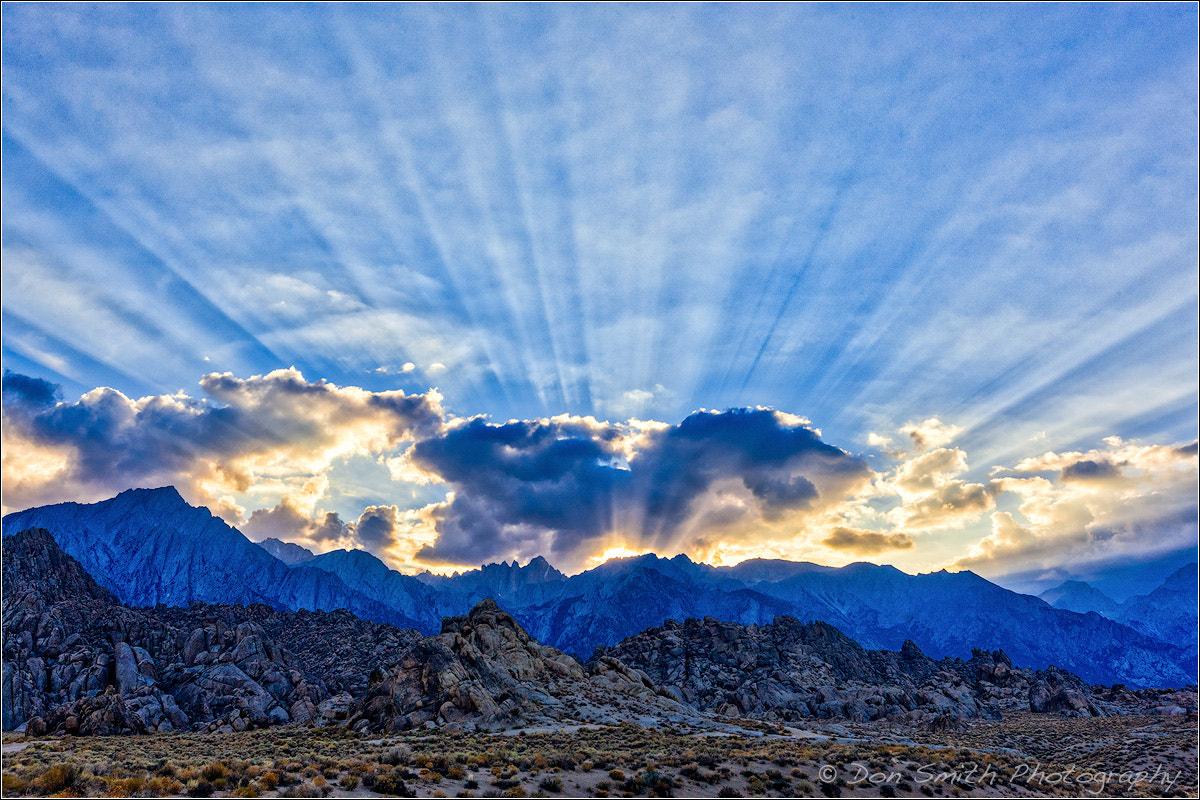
{"points": [[456, 284]]}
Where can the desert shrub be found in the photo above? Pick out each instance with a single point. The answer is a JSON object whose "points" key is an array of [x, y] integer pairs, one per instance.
{"points": [[214, 772], [126, 787], [201, 789], [12, 785], [270, 779], [348, 782], [616, 775], [396, 756], [551, 784], [562, 761], [58, 778], [728, 791], [245, 791], [391, 783]]}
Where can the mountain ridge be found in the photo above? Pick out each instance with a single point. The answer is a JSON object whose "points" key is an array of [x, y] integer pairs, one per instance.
{"points": [[144, 543], [79, 662], [149, 546]]}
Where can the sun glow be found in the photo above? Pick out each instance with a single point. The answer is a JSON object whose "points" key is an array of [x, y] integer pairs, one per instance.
{"points": [[620, 551]]}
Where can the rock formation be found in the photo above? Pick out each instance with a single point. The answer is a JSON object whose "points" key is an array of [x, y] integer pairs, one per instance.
{"points": [[77, 661], [484, 671], [791, 671]]}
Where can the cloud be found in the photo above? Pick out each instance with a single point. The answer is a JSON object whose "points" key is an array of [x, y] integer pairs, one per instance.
{"points": [[951, 505], [379, 529], [274, 429], [565, 486], [866, 543], [930, 433], [933, 494], [719, 485], [29, 393], [1123, 501], [1089, 470], [288, 522]]}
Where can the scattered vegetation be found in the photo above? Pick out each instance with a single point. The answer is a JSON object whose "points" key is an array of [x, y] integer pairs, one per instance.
{"points": [[611, 761]]}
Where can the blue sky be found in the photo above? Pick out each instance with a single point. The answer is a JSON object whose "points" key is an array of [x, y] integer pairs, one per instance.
{"points": [[867, 216]]}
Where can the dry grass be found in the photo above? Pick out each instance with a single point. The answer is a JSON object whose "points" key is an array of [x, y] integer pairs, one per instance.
{"points": [[1022, 756]]}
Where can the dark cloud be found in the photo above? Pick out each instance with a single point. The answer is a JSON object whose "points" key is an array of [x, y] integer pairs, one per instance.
{"points": [[560, 483], [376, 528], [31, 392], [114, 442], [287, 523], [509, 478], [1189, 449], [1090, 470], [866, 543]]}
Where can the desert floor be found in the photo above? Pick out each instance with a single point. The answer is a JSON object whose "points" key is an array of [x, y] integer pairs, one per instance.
{"points": [[1024, 755]]}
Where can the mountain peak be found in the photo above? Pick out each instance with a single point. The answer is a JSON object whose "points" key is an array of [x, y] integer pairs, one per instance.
{"points": [[162, 495], [35, 564], [1081, 597], [1182, 578], [486, 614], [289, 553], [163, 501]]}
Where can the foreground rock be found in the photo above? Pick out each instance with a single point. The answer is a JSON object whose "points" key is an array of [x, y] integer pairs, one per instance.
{"points": [[335, 647], [76, 661], [791, 671], [485, 671]]}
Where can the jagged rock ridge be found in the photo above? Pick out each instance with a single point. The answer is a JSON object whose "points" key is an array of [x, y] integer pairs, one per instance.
{"points": [[485, 671], [791, 671], [77, 661]]}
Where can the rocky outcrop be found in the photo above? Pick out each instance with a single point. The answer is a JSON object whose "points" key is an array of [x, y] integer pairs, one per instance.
{"points": [[485, 671], [1057, 690], [790, 671], [79, 662], [334, 646]]}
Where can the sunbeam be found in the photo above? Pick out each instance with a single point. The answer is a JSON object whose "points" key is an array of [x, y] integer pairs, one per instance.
{"points": [[572, 229]]}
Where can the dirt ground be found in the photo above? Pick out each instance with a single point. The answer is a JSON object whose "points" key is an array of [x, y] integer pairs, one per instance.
{"points": [[1022, 756]]}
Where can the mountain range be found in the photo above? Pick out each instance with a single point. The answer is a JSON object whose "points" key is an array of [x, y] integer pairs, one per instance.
{"points": [[148, 547], [77, 661], [1169, 613]]}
